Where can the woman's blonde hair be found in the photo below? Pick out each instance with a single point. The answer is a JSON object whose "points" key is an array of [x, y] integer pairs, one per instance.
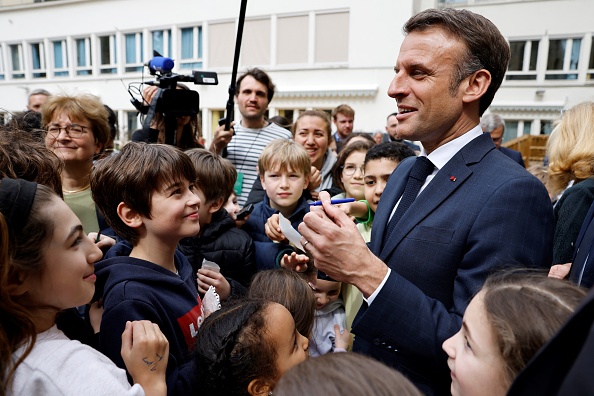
{"points": [[571, 148]]}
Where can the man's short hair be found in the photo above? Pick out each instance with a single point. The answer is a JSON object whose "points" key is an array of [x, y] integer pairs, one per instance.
{"points": [[39, 92], [486, 46], [343, 109], [391, 115], [132, 176], [490, 122], [215, 176], [286, 156], [259, 75]]}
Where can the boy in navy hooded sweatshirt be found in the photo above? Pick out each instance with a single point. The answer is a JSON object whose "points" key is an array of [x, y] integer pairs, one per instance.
{"points": [[146, 193]]}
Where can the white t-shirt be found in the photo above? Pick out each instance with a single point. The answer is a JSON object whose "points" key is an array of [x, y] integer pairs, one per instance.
{"points": [[60, 366], [245, 148]]}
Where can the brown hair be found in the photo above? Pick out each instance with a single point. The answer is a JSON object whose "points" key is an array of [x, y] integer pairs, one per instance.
{"points": [[571, 148], [285, 154], [344, 374], [314, 113], [21, 254], [486, 47], [342, 157], [259, 75], [343, 109], [525, 309], [24, 157], [290, 290], [79, 107], [132, 176], [215, 176]]}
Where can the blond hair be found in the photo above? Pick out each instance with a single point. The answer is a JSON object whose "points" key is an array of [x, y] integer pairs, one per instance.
{"points": [[284, 155], [571, 148]]}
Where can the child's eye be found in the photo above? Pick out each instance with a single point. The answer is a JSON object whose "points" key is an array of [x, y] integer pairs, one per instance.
{"points": [[467, 344], [77, 241], [370, 182]]}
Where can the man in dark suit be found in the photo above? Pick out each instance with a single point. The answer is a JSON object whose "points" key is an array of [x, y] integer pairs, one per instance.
{"points": [[495, 126], [475, 212]]}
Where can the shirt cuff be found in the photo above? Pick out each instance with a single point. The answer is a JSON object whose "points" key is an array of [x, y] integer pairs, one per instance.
{"points": [[370, 299]]}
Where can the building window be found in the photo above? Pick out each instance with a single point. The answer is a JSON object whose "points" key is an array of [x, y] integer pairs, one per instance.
{"points": [[108, 59], [590, 75], [191, 48], [83, 57], [16, 61], [2, 75], [219, 35], [161, 42], [60, 54], [563, 59], [256, 45], [38, 60], [332, 37], [131, 123], [292, 40], [134, 52], [522, 65]]}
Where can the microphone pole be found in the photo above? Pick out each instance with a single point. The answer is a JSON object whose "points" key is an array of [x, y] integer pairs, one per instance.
{"points": [[230, 101]]}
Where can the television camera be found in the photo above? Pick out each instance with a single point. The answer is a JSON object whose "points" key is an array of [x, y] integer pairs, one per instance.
{"points": [[168, 100]]}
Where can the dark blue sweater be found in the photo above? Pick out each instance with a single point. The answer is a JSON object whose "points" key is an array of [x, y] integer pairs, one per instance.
{"points": [[135, 289], [268, 253]]}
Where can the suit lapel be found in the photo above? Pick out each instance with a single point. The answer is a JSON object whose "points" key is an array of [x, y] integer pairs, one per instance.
{"points": [[449, 178]]}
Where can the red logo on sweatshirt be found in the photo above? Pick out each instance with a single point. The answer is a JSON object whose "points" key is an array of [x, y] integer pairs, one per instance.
{"points": [[191, 322]]}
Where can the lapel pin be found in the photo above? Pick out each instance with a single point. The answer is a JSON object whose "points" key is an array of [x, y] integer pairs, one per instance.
{"points": [[453, 178]]}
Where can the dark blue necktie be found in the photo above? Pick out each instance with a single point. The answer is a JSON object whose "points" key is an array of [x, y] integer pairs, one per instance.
{"points": [[419, 172]]}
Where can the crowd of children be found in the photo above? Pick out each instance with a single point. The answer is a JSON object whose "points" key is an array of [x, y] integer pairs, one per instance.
{"points": [[179, 239]]}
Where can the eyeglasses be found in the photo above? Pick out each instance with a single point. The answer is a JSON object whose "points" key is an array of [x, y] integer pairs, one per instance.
{"points": [[72, 130], [350, 169]]}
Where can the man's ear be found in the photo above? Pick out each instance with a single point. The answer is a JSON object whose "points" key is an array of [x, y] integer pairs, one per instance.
{"points": [[259, 387], [215, 205], [476, 85], [129, 216]]}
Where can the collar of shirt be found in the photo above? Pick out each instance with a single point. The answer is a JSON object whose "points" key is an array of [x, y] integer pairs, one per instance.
{"points": [[441, 155]]}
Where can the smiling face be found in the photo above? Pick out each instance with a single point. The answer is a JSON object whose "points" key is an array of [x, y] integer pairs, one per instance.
{"points": [[291, 347], [354, 187], [73, 150], [284, 188], [474, 359], [67, 279], [174, 212], [428, 109], [313, 134], [252, 99], [377, 173]]}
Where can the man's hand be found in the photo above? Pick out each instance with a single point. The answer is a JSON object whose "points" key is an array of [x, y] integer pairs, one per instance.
{"points": [[221, 138], [338, 249]]}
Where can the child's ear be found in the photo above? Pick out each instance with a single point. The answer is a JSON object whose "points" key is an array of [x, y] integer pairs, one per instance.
{"points": [[216, 205], [129, 216], [20, 286], [306, 183], [262, 181], [259, 387]]}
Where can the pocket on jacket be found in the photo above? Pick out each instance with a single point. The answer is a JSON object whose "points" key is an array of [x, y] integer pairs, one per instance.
{"points": [[432, 234]]}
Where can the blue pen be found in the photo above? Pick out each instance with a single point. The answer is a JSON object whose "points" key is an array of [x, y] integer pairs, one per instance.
{"points": [[334, 201]]}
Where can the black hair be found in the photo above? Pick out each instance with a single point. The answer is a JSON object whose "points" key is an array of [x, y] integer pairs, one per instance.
{"points": [[395, 151]]}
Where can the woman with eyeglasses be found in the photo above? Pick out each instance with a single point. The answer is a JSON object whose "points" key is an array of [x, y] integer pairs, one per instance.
{"points": [[76, 130]]}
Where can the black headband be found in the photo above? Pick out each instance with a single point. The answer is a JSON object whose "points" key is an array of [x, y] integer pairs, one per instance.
{"points": [[16, 200]]}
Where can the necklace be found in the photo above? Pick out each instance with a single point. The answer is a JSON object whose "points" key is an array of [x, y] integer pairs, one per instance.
{"points": [[75, 191]]}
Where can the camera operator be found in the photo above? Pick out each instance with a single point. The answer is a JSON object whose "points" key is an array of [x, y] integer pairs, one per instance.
{"points": [[188, 132]]}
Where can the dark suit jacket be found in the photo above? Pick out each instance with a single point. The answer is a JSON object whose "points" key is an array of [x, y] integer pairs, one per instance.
{"points": [[582, 267], [513, 154], [481, 211], [564, 365]]}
